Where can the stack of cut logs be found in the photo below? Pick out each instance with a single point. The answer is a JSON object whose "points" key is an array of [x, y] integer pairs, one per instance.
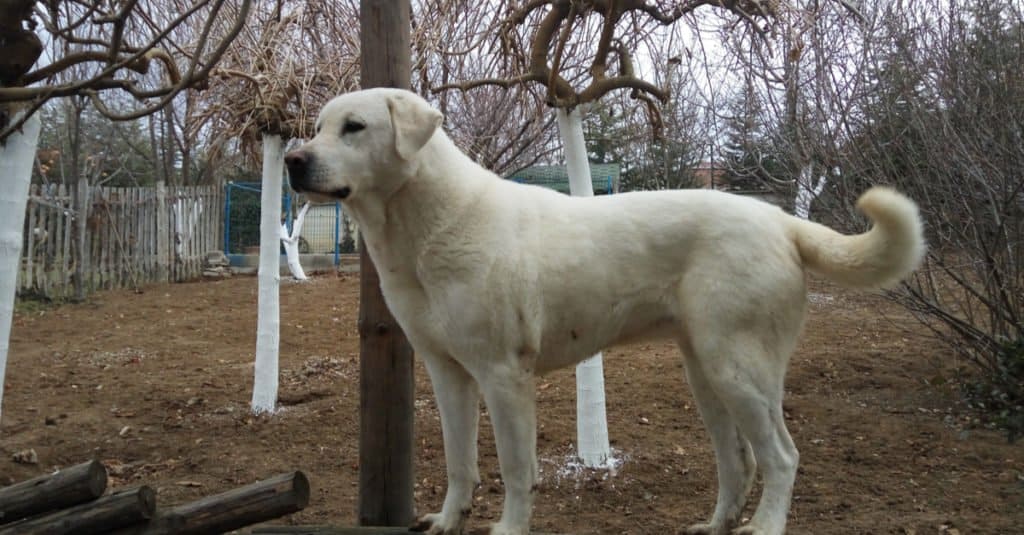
{"points": [[73, 501]]}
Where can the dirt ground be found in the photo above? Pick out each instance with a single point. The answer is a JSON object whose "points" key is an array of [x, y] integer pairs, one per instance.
{"points": [[157, 386]]}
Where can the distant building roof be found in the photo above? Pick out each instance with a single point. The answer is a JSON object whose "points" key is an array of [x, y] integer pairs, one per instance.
{"points": [[711, 175], [605, 177]]}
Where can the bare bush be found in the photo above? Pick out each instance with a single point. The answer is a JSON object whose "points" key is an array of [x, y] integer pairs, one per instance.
{"points": [[945, 122]]}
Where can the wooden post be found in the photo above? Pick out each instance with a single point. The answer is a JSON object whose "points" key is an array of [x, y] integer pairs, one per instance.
{"points": [[70, 486], [386, 368]]}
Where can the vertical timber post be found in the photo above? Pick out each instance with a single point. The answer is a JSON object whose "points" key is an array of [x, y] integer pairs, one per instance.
{"points": [[386, 366]]}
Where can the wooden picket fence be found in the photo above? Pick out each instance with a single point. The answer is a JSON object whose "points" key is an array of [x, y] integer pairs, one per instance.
{"points": [[131, 236]]}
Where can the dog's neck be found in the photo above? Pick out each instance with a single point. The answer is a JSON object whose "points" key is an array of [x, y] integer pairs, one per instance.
{"points": [[397, 228]]}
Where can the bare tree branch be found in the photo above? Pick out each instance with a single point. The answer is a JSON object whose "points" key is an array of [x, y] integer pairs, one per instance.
{"points": [[97, 50]]}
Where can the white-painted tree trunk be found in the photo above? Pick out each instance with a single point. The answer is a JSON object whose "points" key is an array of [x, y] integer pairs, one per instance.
{"points": [[268, 323], [16, 157], [807, 189], [291, 243], [591, 419]]}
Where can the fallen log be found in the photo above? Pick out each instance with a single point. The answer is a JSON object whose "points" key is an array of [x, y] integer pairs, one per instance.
{"points": [[113, 511], [329, 530], [337, 530], [59, 490], [264, 500]]}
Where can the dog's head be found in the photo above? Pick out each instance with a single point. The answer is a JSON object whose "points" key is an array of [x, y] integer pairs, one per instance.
{"points": [[367, 143]]}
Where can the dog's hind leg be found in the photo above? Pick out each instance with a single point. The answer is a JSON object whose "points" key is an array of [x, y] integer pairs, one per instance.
{"points": [[749, 383], [736, 465], [458, 400], [510, 397]]}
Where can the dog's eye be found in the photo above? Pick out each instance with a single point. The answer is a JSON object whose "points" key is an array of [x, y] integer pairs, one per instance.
{"points": [[352, 127]]}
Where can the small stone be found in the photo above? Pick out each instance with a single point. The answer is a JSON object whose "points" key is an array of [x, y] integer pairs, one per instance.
{"points": [[124, 431], [28, 456], [217, 258]]}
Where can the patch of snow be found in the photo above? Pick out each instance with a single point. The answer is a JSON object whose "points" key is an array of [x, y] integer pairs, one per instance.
{"points": [[571, 467]]}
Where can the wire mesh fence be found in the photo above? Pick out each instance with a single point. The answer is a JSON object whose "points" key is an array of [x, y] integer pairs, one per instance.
{"points": [[325, 230]]}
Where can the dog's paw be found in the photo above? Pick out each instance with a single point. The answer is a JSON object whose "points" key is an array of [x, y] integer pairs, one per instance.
{"points": [[748, 530], [706, 529], [502, 529], [435, 524]]}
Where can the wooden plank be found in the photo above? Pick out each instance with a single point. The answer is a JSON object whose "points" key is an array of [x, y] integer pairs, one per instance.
{"points": [[140, 235], [52, 225], [98, 217], [121, 233], [386, 365], [95, 238], [53, 241], [193, 227], [151, 240], [127, 238], [216, 216], [103, 224], [110, 230], [197, 233], [69, 233], [83, 243], [132, 236], [58, 242], [30, 251], [162, 233], [114, 234], [209, 209], [58, 490], [145, 258]]}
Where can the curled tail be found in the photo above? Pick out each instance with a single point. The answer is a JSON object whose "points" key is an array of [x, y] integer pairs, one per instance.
{"points": [[879, 257]]}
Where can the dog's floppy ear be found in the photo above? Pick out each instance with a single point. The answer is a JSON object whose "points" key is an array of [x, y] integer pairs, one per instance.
{"points": [[413, 122]]}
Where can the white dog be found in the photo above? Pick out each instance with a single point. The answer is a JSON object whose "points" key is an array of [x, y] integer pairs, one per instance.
{"points": [[496, 283]]}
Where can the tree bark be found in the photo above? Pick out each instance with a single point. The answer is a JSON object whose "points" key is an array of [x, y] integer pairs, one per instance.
{"points": [[16, 157], [386, 365], [591, 418], [268, 327]]}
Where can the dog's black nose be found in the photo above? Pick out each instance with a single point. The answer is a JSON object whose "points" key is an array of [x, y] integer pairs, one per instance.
{"points": [[297, 162]]}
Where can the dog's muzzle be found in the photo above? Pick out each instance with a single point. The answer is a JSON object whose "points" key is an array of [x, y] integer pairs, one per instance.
{"points": [[299, 162]]}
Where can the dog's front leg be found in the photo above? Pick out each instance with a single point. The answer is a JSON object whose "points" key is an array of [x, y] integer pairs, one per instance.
{"points": [[511, 402], [458, 401]]}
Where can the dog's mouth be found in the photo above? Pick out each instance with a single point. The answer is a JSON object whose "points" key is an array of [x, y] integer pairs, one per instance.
{"points": [[341, 193], [338, 194]]}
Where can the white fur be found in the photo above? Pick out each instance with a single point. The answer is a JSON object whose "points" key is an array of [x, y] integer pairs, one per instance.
{"points": [[496, 282]]}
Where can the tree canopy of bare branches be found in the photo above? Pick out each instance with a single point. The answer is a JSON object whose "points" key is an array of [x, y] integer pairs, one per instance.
{"points": [[285, 65], [106, 51], [545, 41]]}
